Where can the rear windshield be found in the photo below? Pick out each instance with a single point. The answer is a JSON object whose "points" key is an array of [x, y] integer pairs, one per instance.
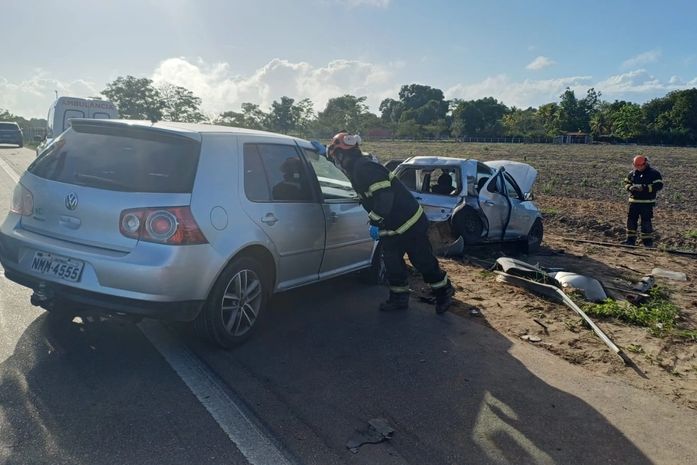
{"points": [[9, 126], [120, 159]]}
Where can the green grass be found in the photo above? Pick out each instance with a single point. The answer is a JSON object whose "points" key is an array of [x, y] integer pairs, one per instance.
{"points": [[691, 233], [658, 313], [550, 211]]}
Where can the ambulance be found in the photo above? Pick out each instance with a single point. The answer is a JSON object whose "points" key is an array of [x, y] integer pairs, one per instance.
{"points": [[66, 108]]}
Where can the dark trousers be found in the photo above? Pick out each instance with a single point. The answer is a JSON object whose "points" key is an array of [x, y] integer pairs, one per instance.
{"points": [[414, 242], [645, 212]]}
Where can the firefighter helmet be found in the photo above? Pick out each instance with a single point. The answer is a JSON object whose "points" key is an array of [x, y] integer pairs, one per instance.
{"points": [[640, 161], [343, 141]]}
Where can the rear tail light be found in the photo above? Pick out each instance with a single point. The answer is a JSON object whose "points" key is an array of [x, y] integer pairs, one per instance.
{"points": [[170, 225], [22, 201]]}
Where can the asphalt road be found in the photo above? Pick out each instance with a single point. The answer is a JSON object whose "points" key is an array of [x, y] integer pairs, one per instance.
{"points": [[454, 390]]}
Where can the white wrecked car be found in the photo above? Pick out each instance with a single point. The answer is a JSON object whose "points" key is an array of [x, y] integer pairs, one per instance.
{"points": [[480, 202]]}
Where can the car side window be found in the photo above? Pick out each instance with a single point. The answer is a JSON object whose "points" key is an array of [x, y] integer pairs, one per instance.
{"points": [[511, 188], [410, 177], [286, 173], [496, 185], [483, 175], [332, 182], [256, 185], [444, 181]]}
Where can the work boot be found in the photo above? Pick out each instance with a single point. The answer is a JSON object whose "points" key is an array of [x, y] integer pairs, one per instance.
{"points": [[648, 244], [628, 242], [397, 301], [444, 298]]}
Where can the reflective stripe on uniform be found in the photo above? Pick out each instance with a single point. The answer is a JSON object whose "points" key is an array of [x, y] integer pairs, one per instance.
{"points": [[646, 236], [650, 188], [405, 227], [399, 289], [380, 185], [375, 217], [632, 200], [441, 283]]}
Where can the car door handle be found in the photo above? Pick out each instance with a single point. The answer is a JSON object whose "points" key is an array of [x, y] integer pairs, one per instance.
{"points": [[418, 198], [489, 202], [269, 219]]}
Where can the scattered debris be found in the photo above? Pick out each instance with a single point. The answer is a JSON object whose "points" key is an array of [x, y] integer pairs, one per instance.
{"points": [[530, 338], [674, 275], [474, 311], [378, 430], [592, 289], [544, 326], [644, 284], [529, 282]]}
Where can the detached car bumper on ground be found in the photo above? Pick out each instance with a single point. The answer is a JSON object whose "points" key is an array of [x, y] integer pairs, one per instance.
{"points": [[180, 221], [480, 202]]}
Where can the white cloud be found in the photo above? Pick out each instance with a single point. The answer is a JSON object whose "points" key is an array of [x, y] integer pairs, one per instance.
{"points": [[539, 63], [519, 93], [634, 82], [642, 59], [221, 90], [32, 97]]}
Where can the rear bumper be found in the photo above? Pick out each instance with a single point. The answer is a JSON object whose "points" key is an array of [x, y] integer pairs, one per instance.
{"points": [[152, 280], [81, 300]]}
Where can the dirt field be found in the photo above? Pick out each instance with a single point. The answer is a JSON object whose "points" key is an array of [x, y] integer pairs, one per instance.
{"points": [[579, 190]]}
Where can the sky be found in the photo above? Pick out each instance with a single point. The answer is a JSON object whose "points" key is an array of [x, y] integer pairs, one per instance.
{"points": [[523, 53]]}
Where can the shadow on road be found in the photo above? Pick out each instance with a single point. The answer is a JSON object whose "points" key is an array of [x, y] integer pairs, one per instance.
{"points": [[325, 364], [99, 394], [447, 385]]}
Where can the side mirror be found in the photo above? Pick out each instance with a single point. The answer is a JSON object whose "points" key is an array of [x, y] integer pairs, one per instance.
{"points": [[528, 196]]}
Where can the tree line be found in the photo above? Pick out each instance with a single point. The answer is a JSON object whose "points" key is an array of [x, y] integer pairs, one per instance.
{"points": [[422, 112]]}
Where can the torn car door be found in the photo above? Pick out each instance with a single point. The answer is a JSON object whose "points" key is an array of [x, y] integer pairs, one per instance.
{"points": [[495, 205]]}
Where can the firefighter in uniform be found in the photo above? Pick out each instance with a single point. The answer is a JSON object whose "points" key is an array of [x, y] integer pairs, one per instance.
{"points": [[642, 183], [396, 219]]}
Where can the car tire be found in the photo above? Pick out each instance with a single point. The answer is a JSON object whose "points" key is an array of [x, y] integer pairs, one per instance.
{"points": [[377, 273], [236, 305], [467, 223], [19, 146], [534, 237]]}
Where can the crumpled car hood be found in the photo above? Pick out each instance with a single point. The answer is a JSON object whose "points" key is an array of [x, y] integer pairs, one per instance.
{"points": [[524, 174]]}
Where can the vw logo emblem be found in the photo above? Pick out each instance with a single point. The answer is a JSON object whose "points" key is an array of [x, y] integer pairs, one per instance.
{"points": [[71, 201]]}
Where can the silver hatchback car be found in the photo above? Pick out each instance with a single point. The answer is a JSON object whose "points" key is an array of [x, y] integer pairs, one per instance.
{"points": [[180, 221]]}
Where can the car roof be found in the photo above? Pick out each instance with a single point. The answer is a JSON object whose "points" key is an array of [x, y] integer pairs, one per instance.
{"points": [[191, 130], [425, 160], [10, 122]]}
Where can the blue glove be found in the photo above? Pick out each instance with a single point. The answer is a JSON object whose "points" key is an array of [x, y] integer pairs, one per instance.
{"points": [[322, 149], [375, 233]]}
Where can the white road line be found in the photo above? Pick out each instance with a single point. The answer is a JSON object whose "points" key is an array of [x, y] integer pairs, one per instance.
{"points": [[253, 444], [9, 170]]}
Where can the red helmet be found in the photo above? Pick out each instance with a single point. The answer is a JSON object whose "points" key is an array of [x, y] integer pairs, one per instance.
{"points": [[640, 161], [343, 141]]}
